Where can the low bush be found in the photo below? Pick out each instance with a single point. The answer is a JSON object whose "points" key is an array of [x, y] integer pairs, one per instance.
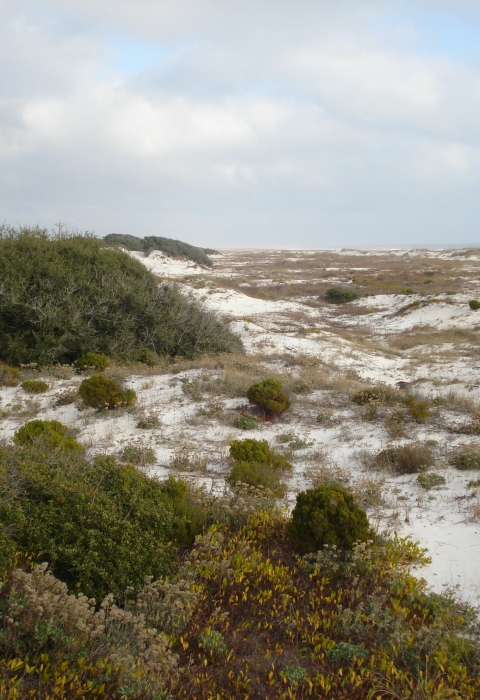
{"points": [[328, 515], [340, 295], [466, 459], [259, 451], [9, 376], [35, 386], [50, 433], [66, 397], [246, 422], [429, 480], [375, 394], [474, 304], [104, 393], [411, 458], [255, 474], [269, 395], [148, 422], [138, 454], [93, 360], [418, 410]]}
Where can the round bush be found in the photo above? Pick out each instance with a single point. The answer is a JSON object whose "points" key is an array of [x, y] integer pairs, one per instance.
{"points": [[259, 451], [103, 393], [35, 386], [328, 515], [269, 395], [474, 304], [54, 434], [339, 295], [93, 360], [255, 474], [407, 459]]}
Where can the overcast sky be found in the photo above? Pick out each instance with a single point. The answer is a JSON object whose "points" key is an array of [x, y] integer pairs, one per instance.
{"points": [[244, 123]]}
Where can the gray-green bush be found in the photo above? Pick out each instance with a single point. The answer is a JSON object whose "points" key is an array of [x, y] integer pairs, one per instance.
{"points": [[63, 296]]}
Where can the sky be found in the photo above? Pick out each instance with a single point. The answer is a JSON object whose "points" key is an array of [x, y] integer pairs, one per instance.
{"points": [[244, 123]]}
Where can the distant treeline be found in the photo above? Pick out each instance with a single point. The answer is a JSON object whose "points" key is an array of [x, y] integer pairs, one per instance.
{"points": [[169, 246]]}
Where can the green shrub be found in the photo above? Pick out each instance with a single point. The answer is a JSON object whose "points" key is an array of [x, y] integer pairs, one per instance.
{"points": [[103, 393], [428, 480], [339, 295], [51, 433], [407, 291], [405, 459], [147, 357], [259, 451], [115, 307], [9, 376], [269, 395], [35, 386], [418, 410], [464, 460], [255, 474], [136, 454], [474, 304], [101, 526], [328, 515], [246, 422], [93, 360]]}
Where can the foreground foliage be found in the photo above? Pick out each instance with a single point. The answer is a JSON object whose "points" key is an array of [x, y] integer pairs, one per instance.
{"points": [[102, 526], [343, 626], [245, 617], [66, 296]]}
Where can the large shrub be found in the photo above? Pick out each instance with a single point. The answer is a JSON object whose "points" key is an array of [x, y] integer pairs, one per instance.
{"points": [[258, 451], [104, 393], [101, 526], [65, 296], [269, 395], [328, 515], [51, 433]]}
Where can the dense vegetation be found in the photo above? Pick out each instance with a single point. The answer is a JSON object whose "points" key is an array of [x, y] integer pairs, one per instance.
{"points": [[65, 296], [245, 617], [169, 246]]}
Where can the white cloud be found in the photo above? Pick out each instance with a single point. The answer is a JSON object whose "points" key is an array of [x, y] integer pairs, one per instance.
{"points": [[265, 121]]}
